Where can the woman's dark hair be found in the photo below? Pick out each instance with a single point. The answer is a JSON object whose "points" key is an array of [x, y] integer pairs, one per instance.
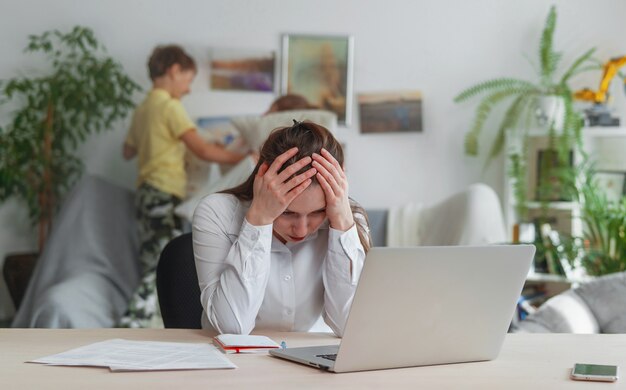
{"points": [[163, 57], [291, 102], [310, 138]]}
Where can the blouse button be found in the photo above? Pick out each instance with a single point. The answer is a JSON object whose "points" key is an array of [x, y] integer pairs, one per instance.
{"points": [[287, 278]]}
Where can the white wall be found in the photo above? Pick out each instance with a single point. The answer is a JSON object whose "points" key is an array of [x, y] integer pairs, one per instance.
{"points": [[437, 47]]}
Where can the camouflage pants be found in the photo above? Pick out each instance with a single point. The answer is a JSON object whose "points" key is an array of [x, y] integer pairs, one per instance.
{"points": [[157, 226]]}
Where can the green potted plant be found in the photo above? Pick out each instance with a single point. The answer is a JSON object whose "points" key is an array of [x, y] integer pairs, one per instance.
{"points": [[604, 248], [601, 249], [84, 91], [545, 103]]}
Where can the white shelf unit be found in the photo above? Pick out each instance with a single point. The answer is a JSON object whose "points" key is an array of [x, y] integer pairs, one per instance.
{"points": [[605, 145]]}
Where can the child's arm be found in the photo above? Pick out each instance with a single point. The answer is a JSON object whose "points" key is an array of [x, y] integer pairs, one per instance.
{"points": [[209, 151]]}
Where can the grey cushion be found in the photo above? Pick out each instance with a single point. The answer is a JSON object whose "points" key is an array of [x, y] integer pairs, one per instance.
{"points": [[606, 298], [564, 313], [598, 306], [617, 324]]}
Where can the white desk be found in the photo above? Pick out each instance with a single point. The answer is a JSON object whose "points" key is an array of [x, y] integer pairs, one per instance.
{"points": [[527, 361]]}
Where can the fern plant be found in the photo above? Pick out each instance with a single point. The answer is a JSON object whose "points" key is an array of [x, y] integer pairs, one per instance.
{"points": [[601, 249], [605, 231], [523, 98], [82, 92]]}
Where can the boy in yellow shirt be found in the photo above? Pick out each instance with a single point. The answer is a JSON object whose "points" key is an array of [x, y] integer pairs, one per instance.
{"points": [[159, 133]]}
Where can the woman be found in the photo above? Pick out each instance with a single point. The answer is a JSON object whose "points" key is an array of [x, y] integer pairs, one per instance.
{"points": [[287, 245], [290, 102]]}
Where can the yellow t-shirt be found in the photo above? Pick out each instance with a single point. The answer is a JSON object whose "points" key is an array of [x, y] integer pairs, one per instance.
{"points": [[155, 132]]}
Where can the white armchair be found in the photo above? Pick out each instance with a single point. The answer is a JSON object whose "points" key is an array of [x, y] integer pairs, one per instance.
{"points": [[470, 217]]}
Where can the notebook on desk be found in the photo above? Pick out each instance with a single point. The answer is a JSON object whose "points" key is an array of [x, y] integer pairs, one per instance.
{"points": [[424, 306]]}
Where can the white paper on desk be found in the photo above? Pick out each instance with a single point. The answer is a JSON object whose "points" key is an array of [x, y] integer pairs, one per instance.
{"points": [[127, 355]]}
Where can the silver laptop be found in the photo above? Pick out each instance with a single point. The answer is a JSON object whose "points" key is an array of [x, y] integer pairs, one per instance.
{"points": [[426, 305]]}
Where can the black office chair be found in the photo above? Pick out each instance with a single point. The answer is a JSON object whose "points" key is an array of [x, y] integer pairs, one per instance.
{"points": [[177, 285]]}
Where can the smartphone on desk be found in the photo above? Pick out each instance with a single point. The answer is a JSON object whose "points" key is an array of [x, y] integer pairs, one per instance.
{"points": [[594, 372]]}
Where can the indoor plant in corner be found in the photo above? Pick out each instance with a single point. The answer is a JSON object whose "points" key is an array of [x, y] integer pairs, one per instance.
{"points": [[526, 109], [603, 250], [82, 91]]}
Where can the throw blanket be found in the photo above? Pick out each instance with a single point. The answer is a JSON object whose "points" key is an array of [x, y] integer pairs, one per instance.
{"points": [[89, 268], [403, 225]]}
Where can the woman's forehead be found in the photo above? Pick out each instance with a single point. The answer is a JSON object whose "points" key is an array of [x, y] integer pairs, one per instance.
{"points": [[310, 200]]}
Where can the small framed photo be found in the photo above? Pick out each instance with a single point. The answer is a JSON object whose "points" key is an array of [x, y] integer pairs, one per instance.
{"points": [[560, 220], [319, 68], [242, 70], [549, 170], [390, 112], [612, 183], [544, 164]]}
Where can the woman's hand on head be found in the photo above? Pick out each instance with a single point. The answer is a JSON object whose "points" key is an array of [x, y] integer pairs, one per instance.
{"points": [[334, 182], [274, 191]]}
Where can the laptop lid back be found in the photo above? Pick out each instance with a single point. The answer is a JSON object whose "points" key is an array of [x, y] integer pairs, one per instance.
{"points": [[432, 305]]}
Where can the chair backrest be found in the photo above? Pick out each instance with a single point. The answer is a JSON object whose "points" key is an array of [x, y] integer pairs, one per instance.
{"points": [[378, 225], [177, 285]]}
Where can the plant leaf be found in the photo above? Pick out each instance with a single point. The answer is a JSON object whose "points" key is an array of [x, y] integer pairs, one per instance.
{"points": [[548, 58], [576, 64], [484, 109], [492, 86], [510, 121]]}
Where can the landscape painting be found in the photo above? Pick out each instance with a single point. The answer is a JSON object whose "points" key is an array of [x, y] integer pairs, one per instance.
{"points": [[390, 112], [319, 68], [241, 70]]}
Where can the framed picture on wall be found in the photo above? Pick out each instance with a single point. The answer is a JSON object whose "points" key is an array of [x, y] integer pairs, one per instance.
{"points": [[319, 68], [612, 183], [242, 70], [550, 171], [390, 112], [559, 220], [544, 164]]}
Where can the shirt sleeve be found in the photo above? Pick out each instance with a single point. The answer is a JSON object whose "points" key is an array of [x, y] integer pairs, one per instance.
{"points": [[342, 268], [178, 121], [233, 269]]}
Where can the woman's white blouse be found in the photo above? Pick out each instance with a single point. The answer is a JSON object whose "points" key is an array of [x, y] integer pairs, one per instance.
{"points": [[250, 280]]}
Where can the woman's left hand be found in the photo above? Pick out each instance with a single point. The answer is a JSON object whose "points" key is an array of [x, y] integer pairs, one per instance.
{"points": [[334, 183]]}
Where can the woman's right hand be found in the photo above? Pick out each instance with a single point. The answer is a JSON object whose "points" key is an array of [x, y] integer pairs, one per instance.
{"points": [[273, 191]]}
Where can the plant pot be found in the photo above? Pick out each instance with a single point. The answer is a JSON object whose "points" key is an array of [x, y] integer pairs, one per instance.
{"points": [[550, 110], [17, 270]]}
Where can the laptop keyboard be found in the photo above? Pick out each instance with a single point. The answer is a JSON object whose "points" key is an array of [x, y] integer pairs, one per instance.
{"points": [[330, 356]]}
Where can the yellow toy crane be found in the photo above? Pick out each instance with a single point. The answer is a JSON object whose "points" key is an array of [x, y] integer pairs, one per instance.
{"points": [[598, 114]]}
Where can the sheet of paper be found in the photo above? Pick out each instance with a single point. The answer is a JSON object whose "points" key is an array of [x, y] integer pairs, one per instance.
{"points": [[127, 355]]}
